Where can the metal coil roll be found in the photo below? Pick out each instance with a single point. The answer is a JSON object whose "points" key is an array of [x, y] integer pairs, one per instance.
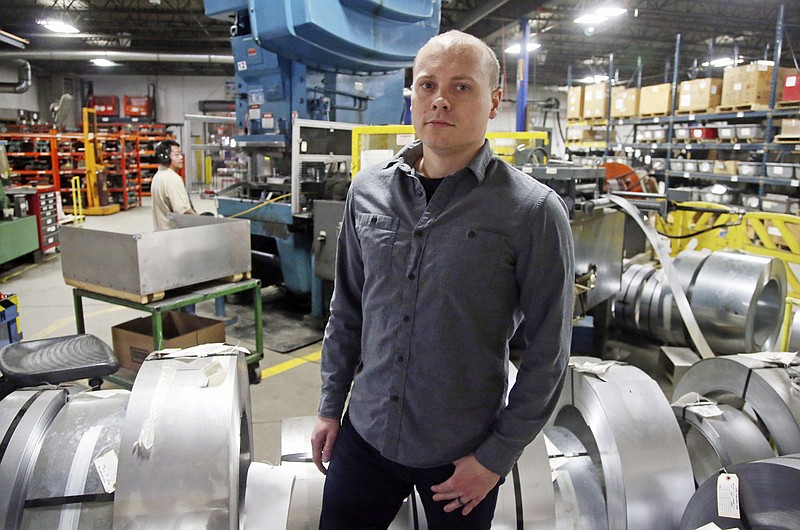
{"points": [[186, 443], [24, 417], [579, 497], [763, 387], [768, 493], [617, 417], [736, 298], [718, 442]]}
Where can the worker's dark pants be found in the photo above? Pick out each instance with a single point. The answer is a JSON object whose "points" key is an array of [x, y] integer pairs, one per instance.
{"points": [[364, 490]]}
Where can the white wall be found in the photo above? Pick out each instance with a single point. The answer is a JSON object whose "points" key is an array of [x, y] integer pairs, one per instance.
{"points": [[175, 95], [27, 100]]}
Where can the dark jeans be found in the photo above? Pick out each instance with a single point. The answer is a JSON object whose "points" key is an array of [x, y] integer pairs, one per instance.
{"points": [[364, 490]]}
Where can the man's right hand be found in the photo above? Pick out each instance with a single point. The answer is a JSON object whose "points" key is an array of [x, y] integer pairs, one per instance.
{"points": [[322, 439]]}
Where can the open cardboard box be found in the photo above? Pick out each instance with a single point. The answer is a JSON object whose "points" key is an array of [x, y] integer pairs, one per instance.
{"points": [[133, 340]]}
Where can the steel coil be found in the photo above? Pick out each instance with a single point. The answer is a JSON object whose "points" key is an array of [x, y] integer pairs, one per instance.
{"points": [[764, 387], [579, 497], [186, 443], [768, 494], [85, 429], [628, 428], [24, 417], [718, 442]]}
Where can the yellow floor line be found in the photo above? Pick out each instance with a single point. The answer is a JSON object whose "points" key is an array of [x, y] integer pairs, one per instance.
{"points": [[6, 279], [288, 365], [58, 324]]}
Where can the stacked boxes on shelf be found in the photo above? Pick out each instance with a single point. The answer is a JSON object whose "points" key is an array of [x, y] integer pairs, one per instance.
{"points": [[655, 100], [575, 103], [624, 102], [699, 95], [595, 101], [750, 85]]}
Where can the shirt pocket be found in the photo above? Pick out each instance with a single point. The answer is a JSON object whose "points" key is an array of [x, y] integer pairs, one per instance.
{"points": [[475, 259], [377, 234]]}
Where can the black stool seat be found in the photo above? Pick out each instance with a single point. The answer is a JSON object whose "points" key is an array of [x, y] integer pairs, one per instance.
{"points": [[57, 360]]}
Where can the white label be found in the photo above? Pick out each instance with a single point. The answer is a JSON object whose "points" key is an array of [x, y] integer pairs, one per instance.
{"points": [[703, 83], [778, 170], [737, 86], [791, 81], [688, 147], [551, 171], [714, 89], [707, 411], [404, 138], [735, 178], [794, 182], [686, 100], [655, 120], [686, 174], [253, 113], [241, 65], [740, 114], [655, 146], [691, 117], [728, 496], [106, 466], [737, 147], [268, 121]]}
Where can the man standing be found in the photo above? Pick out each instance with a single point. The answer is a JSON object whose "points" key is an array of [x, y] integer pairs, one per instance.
{"points": [[442, 252], [167, 187]]}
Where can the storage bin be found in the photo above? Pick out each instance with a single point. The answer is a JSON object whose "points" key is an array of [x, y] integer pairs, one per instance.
{"points": [[750, 169], [690, 165], [676, 165], [785, 171], [750, 132], [681, 133], [726, 132]]}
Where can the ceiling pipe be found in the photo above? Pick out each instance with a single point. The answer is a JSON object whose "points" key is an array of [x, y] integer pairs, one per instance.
{"points": [[25, 78], [84, 55], [481, 13]]}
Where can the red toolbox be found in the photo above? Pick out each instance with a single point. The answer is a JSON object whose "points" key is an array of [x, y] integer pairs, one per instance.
{"points": [[105, 105], [791, 88], [137, 105]]}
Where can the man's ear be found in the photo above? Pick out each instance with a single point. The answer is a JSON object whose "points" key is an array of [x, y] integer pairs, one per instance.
{"points": [[496, 96]]}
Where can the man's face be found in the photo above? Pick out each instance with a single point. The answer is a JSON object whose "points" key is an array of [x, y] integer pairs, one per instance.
{"points": [[175, 157], [451, 99]]}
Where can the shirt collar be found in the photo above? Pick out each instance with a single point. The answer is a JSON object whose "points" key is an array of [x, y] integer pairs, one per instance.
{"points": [[411, 154]]}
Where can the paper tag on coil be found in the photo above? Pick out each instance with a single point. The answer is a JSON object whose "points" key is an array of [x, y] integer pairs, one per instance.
{"points": [[106, 466], [728, 496]]}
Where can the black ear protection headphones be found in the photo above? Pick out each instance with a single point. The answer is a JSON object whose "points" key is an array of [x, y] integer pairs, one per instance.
{"points": [[164, 152]]}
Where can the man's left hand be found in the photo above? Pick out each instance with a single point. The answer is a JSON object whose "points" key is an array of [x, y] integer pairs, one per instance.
{"points": [[467, 487]]}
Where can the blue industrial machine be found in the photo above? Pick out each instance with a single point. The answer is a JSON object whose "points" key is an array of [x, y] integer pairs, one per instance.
{"points": [[306, 73]]}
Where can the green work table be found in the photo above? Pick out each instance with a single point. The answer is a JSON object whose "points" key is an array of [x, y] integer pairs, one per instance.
{"points": [[177, 299]]}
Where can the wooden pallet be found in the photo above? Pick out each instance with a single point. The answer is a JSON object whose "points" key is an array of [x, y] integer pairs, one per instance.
{"points": [[787, 104], [654, 115], [741, 107], [787, 139], [142, 298], [694, 111]]}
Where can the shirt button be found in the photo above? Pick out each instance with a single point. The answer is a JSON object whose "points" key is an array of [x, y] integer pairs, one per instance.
{"points": [[419, 194], [400, 358], [395, 398], [374, 219], [406, 318], [471, 233], [411, 276]]}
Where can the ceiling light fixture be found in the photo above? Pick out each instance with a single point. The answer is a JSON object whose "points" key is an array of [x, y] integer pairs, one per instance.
{"points": [[721, 62], [516, 48], [58, 26], [611, 11], [593, 79], [103, 62], [590, 18], [600, 15]]}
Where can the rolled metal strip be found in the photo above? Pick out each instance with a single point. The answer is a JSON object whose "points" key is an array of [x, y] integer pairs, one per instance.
{"points": [[718, 442], [628, 427], [625, 304], [25, 416], [768, 493], [668, 324], [579, 497], [186, 443], [764, 387], [739, 300], [85, 429], [525, 499]]}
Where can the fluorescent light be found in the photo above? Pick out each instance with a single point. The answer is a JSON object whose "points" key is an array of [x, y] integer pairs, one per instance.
{"points": [[103, 62], [721, 62], [590, 18], [765, 63], [58, 26], [593, 79], [610, 11], [516, 48]]}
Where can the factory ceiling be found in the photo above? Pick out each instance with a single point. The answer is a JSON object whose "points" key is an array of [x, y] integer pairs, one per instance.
{"points": [[645, 32]]}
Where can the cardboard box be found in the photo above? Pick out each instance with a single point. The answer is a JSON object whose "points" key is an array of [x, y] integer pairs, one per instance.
{"points": [[624, 102], [790, 127], [655, 100], [699, 95], [595, 101], [726, 167], [791, 88], [133, 340], [575, 103], [751, 83]]}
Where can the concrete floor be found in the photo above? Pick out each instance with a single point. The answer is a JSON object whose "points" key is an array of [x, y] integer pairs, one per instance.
{"points": [[290, 384], [46, 310]]}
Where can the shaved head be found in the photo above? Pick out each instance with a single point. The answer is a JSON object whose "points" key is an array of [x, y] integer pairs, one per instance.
{"points": [[457, 40]]}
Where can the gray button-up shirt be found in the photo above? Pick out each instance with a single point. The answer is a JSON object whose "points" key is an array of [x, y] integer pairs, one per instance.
{"points": [[426, 299]]}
